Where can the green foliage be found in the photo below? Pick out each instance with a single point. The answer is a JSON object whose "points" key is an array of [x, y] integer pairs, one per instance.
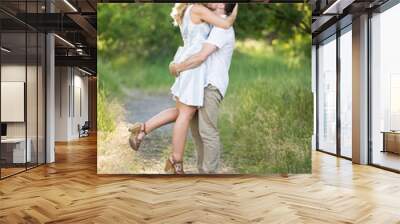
{"points": [[138, 30], [262, 21], [145, 31], [286, 23]]}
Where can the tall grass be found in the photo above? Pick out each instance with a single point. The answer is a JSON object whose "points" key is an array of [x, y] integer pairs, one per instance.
{"points": [[106, 114], [266, 128], [266, 117]]}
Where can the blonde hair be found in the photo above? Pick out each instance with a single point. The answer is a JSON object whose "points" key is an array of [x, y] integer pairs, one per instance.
{"points": [[177, 12]]}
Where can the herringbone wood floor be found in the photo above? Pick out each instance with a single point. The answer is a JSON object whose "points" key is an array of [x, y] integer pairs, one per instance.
{"points": [[69, 191]]}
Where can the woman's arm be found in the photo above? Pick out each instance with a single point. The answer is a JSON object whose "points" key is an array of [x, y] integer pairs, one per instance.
{"points": [[194, 60], [210, 17]]}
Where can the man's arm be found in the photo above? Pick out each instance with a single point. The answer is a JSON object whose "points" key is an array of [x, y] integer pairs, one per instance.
{"points": [[194, 60]]}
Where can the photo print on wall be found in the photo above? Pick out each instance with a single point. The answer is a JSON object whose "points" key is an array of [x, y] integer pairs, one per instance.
{"points": [[204, 88]]}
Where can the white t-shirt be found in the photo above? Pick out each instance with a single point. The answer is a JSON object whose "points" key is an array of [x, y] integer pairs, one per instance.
{"points": [[218, 63]]}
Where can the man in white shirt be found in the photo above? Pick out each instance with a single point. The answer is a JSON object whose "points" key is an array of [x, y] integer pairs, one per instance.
{"points": [[217, 53]]}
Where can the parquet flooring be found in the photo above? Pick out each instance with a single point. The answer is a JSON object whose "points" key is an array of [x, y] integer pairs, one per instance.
{"points": [[70, 191]]}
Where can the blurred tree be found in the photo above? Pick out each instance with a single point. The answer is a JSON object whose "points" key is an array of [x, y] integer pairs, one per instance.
{"points": [[145, 30], [273, 20]]}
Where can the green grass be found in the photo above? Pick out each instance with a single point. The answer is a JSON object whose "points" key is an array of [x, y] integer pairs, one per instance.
{"points": [[106, 116], [124, 72], [266, 127], [266, 116]]}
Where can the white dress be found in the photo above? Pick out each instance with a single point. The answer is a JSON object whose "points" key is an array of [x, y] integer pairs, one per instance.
{"points": [[189, 85]]}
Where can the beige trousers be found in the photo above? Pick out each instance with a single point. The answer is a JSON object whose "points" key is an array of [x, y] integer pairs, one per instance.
{"points": [[205, 131]]}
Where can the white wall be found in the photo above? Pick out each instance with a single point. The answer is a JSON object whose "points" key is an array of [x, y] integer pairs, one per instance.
{"points": [[70, 83], [62, 81], [314, 91], [80, 94]]}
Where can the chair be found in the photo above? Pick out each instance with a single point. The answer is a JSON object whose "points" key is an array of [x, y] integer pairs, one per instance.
{"points": [[84, 130]]}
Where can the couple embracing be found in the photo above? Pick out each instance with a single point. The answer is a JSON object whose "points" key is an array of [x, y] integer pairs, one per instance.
{"points": [[201, 69]]}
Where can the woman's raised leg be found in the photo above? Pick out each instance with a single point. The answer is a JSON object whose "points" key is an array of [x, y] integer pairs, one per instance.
{"points": [[164, 117], [139, 130]]}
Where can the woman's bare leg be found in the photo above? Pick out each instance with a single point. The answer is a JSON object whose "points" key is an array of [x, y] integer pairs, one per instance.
{"points": [[181, 129], [164, 117]]}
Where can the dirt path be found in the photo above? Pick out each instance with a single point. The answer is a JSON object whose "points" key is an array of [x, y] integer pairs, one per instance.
{"points": [[141, 106]]}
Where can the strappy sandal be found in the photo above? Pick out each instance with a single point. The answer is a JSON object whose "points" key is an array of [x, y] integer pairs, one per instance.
{"points": [[136, 130], [176, 167]]}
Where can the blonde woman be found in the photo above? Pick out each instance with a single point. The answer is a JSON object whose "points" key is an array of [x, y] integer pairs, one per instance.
{"points": [[194, 22]]}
